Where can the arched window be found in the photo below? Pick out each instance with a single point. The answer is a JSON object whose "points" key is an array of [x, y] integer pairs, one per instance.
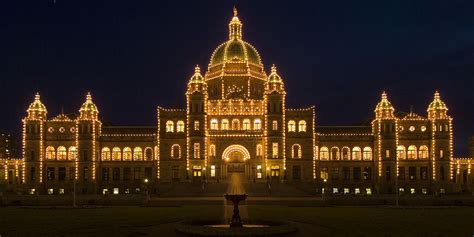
{"points": [[180, 126], [214, 124], [367, 155], [62, 153], [137, 153], [127, 153], [50, 153], [259, 150], [423, 152], [411, 154], [212, 150], [346, 153], [274, 125], [116, 154], [324, 153], [335, 153], [225, 124], [302, 126], [235, 124], [149, 153], [356, 153], [246, 124], [401, 152], [169, 126], [257, 124], [296, 151], [72, 153], [106, 154], [175, 151], [291, 126]]}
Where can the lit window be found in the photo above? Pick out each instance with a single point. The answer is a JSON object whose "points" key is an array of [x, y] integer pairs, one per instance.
{"points": [[213, 171], [368, 191], [62, 153], [50, 191], [324, 174], [169, 126], [235, 124], [149, 153], [105, 153], [116, 154], [291, 126], [137, 153], [441, 154], [214, 124], [175, 151], [212, 150], [274, 125], [197, 150], [411, 152], [196, 125], [423, 152], [180, 126], [257, 124], [356, 153], [346, 190], [296, 151], [259, 171], [127, 153], [412, 128], [225, 124], [423, 128], [116, 191], [72, 153], [302, 126], [367, 153], [387, 153], [275, 150], [50, 153], [259, 150], [401, 152], [357, 191], [424, 191], [412, 191], [61, 191], [324, 153], [246, 124], [335, 190]]}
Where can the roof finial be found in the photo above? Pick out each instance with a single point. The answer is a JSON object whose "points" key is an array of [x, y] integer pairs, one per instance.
{"points": [[89, 96], [274, 68], [235, 11], [37, 96], [384, 95], [197, 69]]}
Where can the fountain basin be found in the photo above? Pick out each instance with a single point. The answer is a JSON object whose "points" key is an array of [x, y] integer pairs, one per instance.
{"points": [[252, 228]]}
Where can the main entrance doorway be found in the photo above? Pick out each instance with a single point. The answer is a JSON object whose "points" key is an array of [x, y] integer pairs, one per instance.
{"points": [[235, 160]]}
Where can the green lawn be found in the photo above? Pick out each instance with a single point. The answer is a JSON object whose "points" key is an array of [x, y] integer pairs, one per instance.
{"points": [[158, 221]]}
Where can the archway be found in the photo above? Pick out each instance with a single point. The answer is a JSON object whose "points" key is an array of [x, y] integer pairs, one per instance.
{"points": [[234, 157]]}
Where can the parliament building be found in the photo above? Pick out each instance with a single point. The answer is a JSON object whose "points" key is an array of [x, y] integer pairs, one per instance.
{"points": [[236, 120]]}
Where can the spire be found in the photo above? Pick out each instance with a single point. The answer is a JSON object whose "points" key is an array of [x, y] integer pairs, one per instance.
{"points": [[235, 27]]}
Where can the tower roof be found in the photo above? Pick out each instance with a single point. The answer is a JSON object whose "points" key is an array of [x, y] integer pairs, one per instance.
{"points": [[197, 77], [384, 108], [37, 108], [89, 109], [437, 103]]}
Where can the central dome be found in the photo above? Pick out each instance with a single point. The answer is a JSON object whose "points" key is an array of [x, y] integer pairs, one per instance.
{"points": [[235, 50]]}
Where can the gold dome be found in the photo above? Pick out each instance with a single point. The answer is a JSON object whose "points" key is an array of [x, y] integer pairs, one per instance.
{"points": [[88, 109], [437, 108], [37, 110], [384, 108]]}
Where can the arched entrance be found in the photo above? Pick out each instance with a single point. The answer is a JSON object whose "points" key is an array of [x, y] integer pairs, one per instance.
{"points": [[235, 157]]}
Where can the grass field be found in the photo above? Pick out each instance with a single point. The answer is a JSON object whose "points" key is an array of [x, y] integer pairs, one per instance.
{"points": [[158, 221]]}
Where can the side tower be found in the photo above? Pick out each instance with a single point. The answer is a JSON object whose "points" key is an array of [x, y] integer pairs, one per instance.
{"points": [[441, 152], [385, 130], [33, 143], [196, 126], [88, 129], [274, 131]]}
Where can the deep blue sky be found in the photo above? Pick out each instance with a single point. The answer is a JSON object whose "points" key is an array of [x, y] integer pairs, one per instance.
{"points": [[336, 55]]}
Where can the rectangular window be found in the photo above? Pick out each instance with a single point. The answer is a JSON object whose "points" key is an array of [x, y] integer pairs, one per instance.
{"points": [[213, 171], [116, 191], [346, 190], [259, 171], [32, 173], [61, 191], [175, 172], [441, 154], [387, 154], [197, 150], [274, 125], [424, 173], [196, 125], [116, 174], [368, 191], [335, 190], [346, 173], [127, 174], [50, 173], [357, 171], [275, 150], [424, 191], [197, 171], [62, 173], [412, 173], [148, 172], [335, 173], [324, 174], [357, 191], [412, 191], [137, 173], [105, 174], [85, 174]]}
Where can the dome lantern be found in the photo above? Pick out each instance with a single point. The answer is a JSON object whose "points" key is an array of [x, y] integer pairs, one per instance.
{"points": [[384, 108], [37, 110], [235, 27], [437, 108]]}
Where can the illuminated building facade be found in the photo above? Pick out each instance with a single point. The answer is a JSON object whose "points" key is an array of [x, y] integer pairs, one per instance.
{"points": [[236, 120]]}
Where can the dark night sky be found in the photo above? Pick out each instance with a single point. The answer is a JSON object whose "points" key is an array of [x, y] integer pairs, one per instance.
{"points": [[336, 55]]}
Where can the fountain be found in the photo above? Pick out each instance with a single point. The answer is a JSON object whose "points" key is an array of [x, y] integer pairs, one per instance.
{"points": [[235, 199]]}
